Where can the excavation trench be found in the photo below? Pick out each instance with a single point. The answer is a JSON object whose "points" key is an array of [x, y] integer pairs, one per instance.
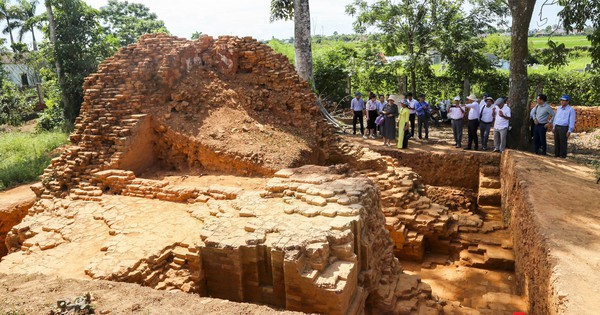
{"points": [[463, 248]]}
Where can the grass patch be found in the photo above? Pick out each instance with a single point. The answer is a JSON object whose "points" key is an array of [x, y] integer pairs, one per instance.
{"points": [[24, 156], [569, 41]]}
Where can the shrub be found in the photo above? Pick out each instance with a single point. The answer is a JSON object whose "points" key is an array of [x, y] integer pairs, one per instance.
{"points": [[14, 105]]}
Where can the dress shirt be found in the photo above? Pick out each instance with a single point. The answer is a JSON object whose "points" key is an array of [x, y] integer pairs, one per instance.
{"points": [[502, 122], [455, 112], [565, 117], [421, 108], [411, 104], [473, 110], [357, 104], [380, 106], [486, 114], [541, 113], [371, 105]]}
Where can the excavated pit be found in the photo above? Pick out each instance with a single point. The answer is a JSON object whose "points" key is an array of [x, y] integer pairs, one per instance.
{"points": [[463, 248]]}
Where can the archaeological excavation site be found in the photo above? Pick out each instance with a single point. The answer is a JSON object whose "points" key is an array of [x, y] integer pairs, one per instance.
{"points": [[202, 179]]}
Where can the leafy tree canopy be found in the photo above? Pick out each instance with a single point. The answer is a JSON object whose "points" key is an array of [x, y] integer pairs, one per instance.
{"points": [[128, 21]]}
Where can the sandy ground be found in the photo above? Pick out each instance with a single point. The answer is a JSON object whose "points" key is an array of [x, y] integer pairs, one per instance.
{"points": [[37, 294]]}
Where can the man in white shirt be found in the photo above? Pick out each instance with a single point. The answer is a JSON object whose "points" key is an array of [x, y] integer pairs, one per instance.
{"points": [[501, 114], [473, 124], [456, 112], [412, 103], [486, 118], [358, 108]]}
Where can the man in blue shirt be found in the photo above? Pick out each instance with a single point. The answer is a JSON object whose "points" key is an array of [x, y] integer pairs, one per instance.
{"points": [[358, 105], [422, 110], [542, 115], [564, 124]]}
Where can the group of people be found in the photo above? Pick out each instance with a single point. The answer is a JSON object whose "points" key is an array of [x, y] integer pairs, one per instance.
{"points": [[394, 118], [396, 115]]}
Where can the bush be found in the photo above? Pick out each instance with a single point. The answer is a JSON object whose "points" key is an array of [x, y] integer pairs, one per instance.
{"points": [[51, 119], [14, 105], [24, 156]]}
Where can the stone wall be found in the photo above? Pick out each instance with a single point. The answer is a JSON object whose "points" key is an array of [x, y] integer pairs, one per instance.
{"points": [[229, 104]]}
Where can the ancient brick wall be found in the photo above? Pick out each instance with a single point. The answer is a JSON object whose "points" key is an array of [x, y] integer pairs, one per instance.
{"points": [[227, 104], [587, 117]]}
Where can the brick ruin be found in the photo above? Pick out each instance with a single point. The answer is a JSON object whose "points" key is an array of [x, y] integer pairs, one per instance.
{"points": [[137, 198]]}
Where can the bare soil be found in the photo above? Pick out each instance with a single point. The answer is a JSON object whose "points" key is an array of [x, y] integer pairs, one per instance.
{"points": [[37, 294]]}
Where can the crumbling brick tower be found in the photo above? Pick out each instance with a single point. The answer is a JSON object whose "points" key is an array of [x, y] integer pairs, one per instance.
{"points": [[228, 104]]}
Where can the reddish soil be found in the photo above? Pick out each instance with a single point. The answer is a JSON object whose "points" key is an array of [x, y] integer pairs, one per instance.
{"points": [[37, 294]]}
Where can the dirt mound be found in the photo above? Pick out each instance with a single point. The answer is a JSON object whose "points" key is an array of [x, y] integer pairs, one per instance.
{"points": [[230, 105]]}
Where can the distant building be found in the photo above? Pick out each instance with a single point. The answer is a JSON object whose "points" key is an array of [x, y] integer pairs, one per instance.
{"points": [[18, 73]]}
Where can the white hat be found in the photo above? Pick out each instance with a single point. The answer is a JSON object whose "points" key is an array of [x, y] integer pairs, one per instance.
{"points": [[457, 98], [472, 97], [394, 98]]}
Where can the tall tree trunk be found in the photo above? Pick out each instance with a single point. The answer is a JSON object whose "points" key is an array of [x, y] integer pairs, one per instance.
{"points": [[413, 72], [67, 109], [35, 48], [521, 11], [302, 45], [12, 40], [466, 87]]}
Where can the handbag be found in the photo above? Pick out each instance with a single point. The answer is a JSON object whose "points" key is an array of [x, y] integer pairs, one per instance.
{"points": [[379, 120]]}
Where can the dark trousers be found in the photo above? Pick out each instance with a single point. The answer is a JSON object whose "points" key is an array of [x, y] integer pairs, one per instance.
{"points": [[472, 126], [457, 130], [423, 120], [411, 117], [358, 116], [484, 129], [560, 141], [539, 139], [405, 140]]}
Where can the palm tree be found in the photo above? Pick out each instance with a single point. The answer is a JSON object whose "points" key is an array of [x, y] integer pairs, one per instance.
{"points": [[29, 20], [299, 11], [7, 12]]}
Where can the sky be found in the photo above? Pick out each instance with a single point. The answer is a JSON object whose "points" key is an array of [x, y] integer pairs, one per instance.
{"points": [[251, 17]]}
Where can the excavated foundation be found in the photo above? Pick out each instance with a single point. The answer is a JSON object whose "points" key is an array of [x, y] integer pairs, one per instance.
{"points": [[455, 236]]}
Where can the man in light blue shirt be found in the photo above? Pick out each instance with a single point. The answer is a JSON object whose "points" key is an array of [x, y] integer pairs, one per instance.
{"points": [[380, 104], [542, 115], [564, 124], [358, 107]]}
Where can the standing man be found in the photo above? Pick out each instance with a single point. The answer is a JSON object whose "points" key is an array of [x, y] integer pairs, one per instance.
{"points": [[501, 121], [564, 124], [358, 107], [412, 103], [486, 118], [473, 123], [422, 109], [542, 115], [456, 112]]}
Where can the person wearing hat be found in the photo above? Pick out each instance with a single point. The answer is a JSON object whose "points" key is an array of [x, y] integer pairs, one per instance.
{"points": [[456, 112], [564, 124], [422, 109], [486, 118], [473, 124], [542, 115], [358, 108], [501, 114], [390, 112], [403, 120]]}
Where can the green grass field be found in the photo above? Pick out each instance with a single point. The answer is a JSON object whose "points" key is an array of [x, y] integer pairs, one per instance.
{"points": [[569, 41], [24, 156]]}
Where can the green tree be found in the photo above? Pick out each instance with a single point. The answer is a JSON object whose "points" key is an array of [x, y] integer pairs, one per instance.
{"points": [[407, 27], [576, 14], [196, 35], [300, 12], [8, 12], [80, 43], [30, 21], [128, 21]]}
